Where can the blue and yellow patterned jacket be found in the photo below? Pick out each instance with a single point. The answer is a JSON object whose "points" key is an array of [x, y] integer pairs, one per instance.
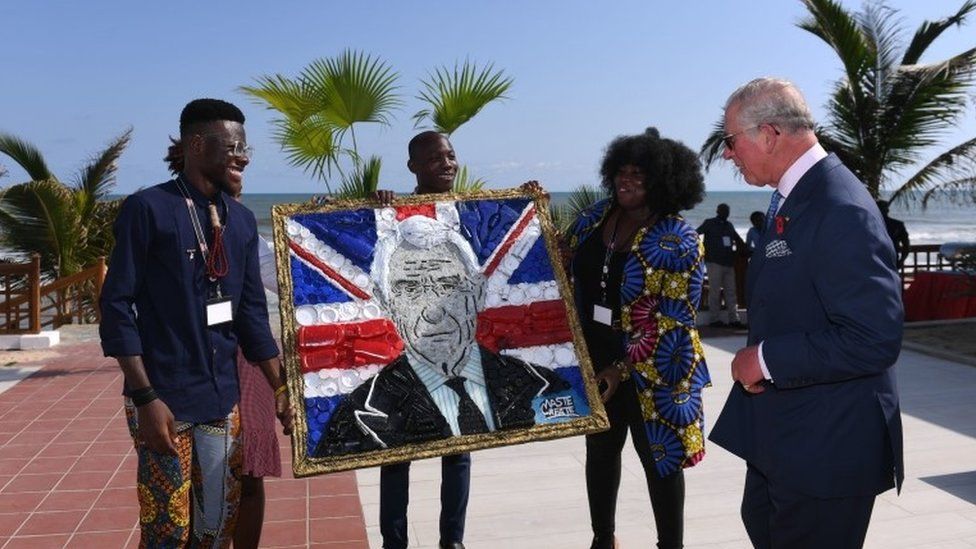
{"points": [[659, 295]]}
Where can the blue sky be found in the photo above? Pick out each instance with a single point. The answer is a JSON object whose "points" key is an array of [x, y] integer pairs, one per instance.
{"points": [[76, 74]]}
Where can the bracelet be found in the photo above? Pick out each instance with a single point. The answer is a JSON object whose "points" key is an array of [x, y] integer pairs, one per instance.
{"points": [[280, 390], [141, 397], [622, 368]]}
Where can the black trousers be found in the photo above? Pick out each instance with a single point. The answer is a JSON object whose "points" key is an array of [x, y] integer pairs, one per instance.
{"points": [[603, 475], [395, 495], [778, 517]]}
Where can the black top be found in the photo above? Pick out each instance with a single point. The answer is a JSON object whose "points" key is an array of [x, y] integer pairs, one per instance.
{"points": [[715, 231], [604, 343]]}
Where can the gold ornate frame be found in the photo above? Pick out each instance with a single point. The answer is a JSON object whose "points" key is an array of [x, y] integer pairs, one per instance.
{"points": [[303, 465]]}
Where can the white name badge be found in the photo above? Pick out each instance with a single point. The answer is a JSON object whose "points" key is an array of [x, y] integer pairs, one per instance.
{"points": [[219, 311], [603, 315], [727, 241]]}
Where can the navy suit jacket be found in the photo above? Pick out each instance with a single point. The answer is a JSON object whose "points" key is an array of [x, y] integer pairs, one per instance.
{"points": [[829, 314], [409, 414]]}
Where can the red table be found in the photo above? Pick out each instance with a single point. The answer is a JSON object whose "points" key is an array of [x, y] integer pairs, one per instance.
{"points": [[940, 295]]}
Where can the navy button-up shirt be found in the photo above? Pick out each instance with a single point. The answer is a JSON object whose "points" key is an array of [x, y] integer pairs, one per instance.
{"points": [[155, 297]]}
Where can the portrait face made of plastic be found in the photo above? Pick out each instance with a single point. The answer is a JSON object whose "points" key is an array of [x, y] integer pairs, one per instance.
{"points": [[440, 324]]}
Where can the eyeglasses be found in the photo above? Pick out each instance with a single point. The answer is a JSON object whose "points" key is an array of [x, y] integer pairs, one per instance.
{"points": [[729, 140], [234, 148], [241, 149]]}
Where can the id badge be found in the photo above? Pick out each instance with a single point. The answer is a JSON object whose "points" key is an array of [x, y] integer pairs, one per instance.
{"points": [[727, 241], [219, 310], [603, 315]]}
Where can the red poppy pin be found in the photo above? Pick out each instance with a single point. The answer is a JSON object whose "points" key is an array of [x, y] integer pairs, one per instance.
{"points": [[781, 224]]}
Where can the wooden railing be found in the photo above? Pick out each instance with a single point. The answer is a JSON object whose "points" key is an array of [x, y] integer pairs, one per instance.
{"points": [[21, 286], [921, 257], [30, 306]]}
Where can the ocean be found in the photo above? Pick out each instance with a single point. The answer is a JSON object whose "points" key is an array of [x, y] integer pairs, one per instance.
{"points": [[939, 223]]}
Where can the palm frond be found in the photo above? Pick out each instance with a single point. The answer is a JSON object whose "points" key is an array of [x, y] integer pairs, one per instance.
{"points": [[279, 93], [309, 145], [928, 31], [39, 216], [352, 87], [26, 155], [465, 182], [98, 177], [456, 95], [579, 199], [924, 101], [840, 30], [712, 149], [100, 239], [363, 181], [953, 169]]}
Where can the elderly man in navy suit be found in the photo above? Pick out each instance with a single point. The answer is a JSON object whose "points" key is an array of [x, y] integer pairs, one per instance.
{"points": [[815, 409]]}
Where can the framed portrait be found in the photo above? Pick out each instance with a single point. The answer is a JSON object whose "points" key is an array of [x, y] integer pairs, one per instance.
{"points": [[440, 324]]}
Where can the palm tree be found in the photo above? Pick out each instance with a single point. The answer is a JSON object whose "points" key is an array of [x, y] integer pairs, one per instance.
{"points": [[456, 96], [322, 106], [70, 226], [889, 105], [579, 199]]}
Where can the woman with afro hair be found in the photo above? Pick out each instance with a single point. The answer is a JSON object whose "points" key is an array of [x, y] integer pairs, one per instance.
{"points": [[637, 269]]}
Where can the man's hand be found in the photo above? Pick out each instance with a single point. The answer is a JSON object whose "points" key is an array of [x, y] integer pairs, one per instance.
{"points": [[532, 186], [384, 197], [746, 370], [285, 413], [157, 427], [611, 378]]}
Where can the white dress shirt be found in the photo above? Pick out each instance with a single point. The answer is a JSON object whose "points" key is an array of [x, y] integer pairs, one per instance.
{"points": [[444, 397]]}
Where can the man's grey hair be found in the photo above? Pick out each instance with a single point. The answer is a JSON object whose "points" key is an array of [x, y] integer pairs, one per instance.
{"points": [[420, 232], [771, 101]]}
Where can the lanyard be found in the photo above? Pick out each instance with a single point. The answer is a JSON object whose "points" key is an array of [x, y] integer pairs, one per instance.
{"points": [[605, 273], [216, 262]]}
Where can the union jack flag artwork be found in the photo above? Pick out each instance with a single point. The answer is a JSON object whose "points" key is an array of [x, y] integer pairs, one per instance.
{"points": [[440, 324]]}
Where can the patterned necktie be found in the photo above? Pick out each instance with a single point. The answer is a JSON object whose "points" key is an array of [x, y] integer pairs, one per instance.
{"points": [[470, 419], [773, 206]]}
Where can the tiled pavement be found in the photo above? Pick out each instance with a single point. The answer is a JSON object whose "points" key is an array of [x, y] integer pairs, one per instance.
{"points": [[534, 496], [67, 469], [66, 474]]}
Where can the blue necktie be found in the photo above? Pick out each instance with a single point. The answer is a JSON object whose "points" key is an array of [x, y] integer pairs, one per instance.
{"points": [[773, 206]]}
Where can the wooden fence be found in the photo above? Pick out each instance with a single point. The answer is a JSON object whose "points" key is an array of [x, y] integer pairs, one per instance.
{"points": [[30, 306]]}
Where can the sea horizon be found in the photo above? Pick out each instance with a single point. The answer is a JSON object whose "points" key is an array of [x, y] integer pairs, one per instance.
{"points": [[939, 223]]}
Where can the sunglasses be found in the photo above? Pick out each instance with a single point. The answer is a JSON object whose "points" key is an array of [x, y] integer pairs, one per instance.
{"points": [[729, 140]]}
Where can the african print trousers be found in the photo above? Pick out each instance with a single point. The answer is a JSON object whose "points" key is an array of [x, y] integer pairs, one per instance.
{"points": [[204, 478]]}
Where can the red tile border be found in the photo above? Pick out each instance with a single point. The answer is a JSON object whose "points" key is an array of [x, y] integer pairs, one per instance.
{"points": [[32, 483], [335, 530], [51, 522], [21, 503], [68, 501], [88, 540], [38, 542], [67, 469]]}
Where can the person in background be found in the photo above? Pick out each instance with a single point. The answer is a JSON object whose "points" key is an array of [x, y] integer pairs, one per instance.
{"points": [[185, 258], [814, 412], [637, 275], [433, 162], [758, 220], [897, 231], [722, 242]]}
